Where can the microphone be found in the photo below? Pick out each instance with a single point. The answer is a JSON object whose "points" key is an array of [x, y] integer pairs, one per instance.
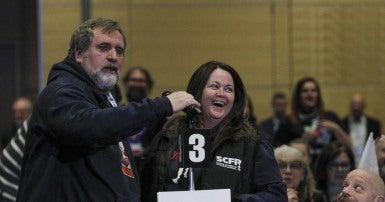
{"points": [[191, 110], [165, 93]]}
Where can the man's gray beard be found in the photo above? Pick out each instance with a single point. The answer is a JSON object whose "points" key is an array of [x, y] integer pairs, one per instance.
{"points": [[105, 81]]}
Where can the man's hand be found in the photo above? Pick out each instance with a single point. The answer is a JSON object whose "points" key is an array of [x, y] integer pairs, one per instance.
{"points": [[181, 99]]}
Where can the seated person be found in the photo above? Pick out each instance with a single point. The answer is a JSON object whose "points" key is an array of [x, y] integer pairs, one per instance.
{"points": [[297, 175], [331, 168]]}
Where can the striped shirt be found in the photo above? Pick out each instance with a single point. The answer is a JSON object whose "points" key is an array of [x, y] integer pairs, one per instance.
{"points": [[10, 164]]}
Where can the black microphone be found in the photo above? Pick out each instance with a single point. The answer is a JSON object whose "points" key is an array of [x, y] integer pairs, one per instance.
{"points": [[165, 93], [191, 110]]}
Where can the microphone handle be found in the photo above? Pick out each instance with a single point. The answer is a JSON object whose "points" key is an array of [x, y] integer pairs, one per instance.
{"points": [[195, 109]]}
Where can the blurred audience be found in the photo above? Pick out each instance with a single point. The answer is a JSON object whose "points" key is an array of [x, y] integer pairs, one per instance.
{"points": [[10, 164], [331, 167], [297, 175], [271, 125], [310, 121], [359, 125], [138, 84], [362, 186], [21, 109], [249, 112]]}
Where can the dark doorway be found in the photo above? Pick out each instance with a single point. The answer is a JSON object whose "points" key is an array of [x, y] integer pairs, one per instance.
{"points": [[18, 55]]}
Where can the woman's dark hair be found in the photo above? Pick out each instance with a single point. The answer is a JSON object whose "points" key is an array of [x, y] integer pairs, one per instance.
{"points": [[328, 154], [296, 105], [234, 120]]}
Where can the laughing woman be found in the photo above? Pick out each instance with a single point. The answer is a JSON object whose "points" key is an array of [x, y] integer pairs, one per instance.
{"points": [[222, 95]]}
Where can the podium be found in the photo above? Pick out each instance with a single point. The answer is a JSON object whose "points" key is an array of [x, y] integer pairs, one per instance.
{"points": [[214, 195]]}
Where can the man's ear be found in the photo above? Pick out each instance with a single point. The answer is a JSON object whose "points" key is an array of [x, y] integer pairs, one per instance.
{"points": [[78, 56]]}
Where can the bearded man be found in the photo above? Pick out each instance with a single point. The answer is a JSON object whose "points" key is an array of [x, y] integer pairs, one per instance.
{"points": [[76, 148]]}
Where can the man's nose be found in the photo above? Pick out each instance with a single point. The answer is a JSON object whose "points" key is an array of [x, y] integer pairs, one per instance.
{"points": [[345, 192], [112, 55]]}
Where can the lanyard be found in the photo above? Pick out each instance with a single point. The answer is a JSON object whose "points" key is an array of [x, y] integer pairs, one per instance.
{"points": [[111, 99]]}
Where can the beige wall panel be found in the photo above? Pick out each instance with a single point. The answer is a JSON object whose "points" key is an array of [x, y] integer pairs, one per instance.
{"points": [[261, 102], [114, 9], [174, 40], [207, 3], [337, 42], [281, 76], [59, 19]]}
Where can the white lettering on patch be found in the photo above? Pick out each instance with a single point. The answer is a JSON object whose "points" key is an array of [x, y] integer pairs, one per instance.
{"points": [[228, 162]]}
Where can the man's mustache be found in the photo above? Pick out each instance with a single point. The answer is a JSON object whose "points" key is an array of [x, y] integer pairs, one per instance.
{"points": [[110, 65]]}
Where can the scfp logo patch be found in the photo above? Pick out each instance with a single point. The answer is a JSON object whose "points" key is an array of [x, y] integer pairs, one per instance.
{"points": [[228, 162]]}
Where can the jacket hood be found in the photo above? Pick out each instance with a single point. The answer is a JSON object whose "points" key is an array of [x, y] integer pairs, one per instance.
{"points": [[69, 66]]}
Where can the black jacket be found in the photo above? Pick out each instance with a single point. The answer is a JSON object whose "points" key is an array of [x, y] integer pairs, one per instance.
{"points": [[256, 178], [72, 151], [372, 125]]}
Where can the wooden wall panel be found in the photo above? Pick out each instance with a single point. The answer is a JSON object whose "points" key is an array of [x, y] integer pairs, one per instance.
{"points": [[175, 41], [59, 19]]}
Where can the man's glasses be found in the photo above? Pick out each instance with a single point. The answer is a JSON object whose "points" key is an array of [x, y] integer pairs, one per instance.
{"points": [[295, 165]]}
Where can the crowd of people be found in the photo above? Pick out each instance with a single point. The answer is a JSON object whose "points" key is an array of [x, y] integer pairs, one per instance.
{"points": [[81, 143]]}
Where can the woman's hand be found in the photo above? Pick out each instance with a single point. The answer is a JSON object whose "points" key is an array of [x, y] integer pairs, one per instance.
{"points": [[292, 195], [339, 133]]}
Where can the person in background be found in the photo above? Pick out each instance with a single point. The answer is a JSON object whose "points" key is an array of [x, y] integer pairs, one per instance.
{"points": [[11, 160], [359, 125], [303, 147], [362, 186], [310, 121], [21, 110], [254, 176], [271, 126], [297, 175], [380, 153], [331, 167], [138, 84], [76, 148]]}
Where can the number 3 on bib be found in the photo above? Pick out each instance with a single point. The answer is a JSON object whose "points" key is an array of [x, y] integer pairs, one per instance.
{"points": [[194, 148]]}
